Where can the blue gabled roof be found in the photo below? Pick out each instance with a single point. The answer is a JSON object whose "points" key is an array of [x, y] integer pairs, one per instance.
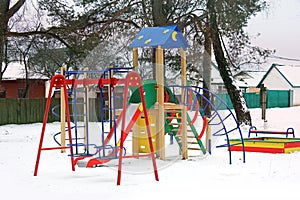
{"points": [[165, 36]]}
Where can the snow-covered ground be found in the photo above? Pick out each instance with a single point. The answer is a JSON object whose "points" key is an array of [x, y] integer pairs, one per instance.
{"points": [[270, 176]]}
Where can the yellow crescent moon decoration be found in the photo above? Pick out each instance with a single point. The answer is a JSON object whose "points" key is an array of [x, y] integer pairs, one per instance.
{"points": [[174, 35], [165, 31], [147, 41]]}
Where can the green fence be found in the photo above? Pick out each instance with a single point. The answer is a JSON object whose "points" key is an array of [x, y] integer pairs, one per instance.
{"points": [[275, 98], [278, 98], [24, 111]]}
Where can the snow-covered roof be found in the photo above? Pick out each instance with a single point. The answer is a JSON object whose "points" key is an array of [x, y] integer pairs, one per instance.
{"points": [[289, 72], [249, 78], [16, 71]]}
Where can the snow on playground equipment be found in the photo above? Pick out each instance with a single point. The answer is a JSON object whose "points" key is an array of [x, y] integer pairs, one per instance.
{"points": [[175, 113], [78, 90], [269, 144], [132, 80], [167, 37], [220, 122], [173, 124]]}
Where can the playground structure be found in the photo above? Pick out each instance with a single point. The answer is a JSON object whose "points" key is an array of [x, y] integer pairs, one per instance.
{"points": [[132, 80], [272, 143], [173, 110], [170, 37]]}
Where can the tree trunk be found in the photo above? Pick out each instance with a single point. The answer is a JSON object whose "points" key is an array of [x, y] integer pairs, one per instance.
{"points": [[207, 65], [159, 19], [4, 6], [26, 91], [6, 12], [237, 99]]}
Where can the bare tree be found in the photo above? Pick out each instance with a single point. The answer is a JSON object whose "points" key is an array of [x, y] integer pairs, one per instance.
{"points": [[7, 11]]}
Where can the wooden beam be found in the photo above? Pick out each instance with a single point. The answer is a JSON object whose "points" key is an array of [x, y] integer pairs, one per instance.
{"points": [[85, 110], [135, 130], [160, 100], [62, 113], [135, 59], [184, 109], [208, 137]]}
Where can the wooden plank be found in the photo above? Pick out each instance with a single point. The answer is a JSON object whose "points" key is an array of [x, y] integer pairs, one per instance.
{"points": [[22, 112], [291, 150], [34, 110], [13, 111], [184, 109], [27, 116], [160, 99], [4, 112], [135, 61], [257, 149]]}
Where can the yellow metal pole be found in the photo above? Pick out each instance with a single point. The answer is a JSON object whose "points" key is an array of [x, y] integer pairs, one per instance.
{"points": [[62, 114], [160, 100], [184, 109]]}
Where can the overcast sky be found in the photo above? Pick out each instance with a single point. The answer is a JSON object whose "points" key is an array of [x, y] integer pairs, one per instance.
{"points": [[279, 29]]}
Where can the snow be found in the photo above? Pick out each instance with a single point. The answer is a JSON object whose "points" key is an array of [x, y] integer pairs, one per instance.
{"points": [[290, 73], [270, 176], [15, 71]]}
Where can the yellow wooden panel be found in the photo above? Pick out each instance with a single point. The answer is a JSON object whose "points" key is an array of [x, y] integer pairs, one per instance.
{"points": [[291, 150], [143, 143], [263, 144]]}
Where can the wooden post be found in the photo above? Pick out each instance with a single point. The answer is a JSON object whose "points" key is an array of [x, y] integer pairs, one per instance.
{"points": [[160, 100], [85, 110], [135, 141], [208, 137], [110, 98], [263, 101], [184, 109], [62, 113], [135, 59]]}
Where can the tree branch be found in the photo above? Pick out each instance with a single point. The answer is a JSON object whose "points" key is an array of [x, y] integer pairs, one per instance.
{"points": [[13, 10], [45, 33]]}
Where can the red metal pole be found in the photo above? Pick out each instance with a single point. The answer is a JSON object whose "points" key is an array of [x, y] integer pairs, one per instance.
{"points": [[133, 79], [122, 132], [69, 127], [56, 81], [43, 130], [203, 128], [149, 133]]}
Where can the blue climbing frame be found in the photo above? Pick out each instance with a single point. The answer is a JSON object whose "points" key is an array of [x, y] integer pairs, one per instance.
{"points": [[99, 79], [217, 121]]}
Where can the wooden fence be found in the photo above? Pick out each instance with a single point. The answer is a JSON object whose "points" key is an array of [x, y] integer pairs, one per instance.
{"points": [[25, 111]]}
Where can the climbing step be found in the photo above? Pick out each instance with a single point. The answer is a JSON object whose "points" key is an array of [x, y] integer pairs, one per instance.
{"points": [[195, 149], [172, 117], [192, 142], [172, 123]]}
